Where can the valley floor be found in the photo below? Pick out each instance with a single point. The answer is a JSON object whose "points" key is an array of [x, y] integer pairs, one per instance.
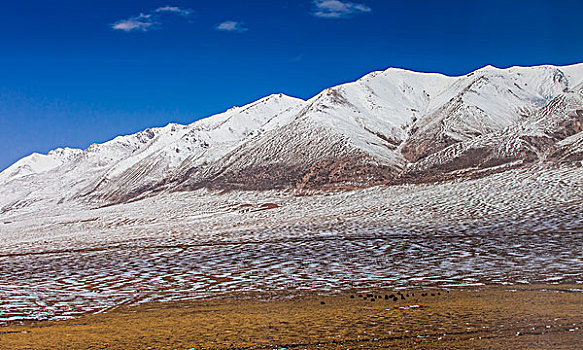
{"points": [[511, 317], [520, 227]]}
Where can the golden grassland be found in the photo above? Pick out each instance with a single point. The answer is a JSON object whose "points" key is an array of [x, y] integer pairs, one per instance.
{"points": [[517, 317]]}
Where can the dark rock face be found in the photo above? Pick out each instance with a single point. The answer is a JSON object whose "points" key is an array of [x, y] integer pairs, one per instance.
{"points": [[264, 177], [418, 148], [346, 173], [342, 173]]}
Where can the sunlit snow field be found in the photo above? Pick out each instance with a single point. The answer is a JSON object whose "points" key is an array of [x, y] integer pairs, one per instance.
{"points": [[520, 226]]}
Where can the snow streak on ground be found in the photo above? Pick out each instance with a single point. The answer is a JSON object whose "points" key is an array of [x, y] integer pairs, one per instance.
{"points": [[520, 226]]}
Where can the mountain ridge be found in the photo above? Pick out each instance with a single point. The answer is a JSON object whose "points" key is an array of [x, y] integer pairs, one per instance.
{"points": [[387, 127]]}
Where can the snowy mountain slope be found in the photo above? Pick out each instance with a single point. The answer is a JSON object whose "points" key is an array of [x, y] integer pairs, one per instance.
{"points": [[344, 130], [486, 100], [39, 163], [128, 164], [190, 146], [536, 138], [363, 132], [389, 126]]}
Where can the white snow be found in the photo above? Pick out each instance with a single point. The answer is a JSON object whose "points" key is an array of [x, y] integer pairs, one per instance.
{"points": [[361, 115], [519, 226]]}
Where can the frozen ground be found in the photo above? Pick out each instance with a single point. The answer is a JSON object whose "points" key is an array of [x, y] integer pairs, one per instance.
{"points": [[520, 226]]}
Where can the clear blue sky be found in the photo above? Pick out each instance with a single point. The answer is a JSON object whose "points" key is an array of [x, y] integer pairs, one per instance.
{"points": [[73, 72]]}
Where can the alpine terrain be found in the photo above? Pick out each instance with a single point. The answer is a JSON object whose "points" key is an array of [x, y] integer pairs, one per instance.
{"points": [[397, 179], [388, 127]]}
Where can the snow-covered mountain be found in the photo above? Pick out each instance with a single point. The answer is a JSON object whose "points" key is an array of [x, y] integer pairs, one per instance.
{"points": [[391, 126]]}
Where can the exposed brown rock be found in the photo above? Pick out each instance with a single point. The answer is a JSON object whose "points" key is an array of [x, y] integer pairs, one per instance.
{"points": [[417, 149]]}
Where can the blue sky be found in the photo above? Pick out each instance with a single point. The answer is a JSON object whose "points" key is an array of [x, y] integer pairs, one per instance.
{"points": [[76, 72]]}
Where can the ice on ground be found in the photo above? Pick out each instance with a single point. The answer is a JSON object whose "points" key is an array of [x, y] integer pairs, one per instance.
{"points": [[520, 226]]}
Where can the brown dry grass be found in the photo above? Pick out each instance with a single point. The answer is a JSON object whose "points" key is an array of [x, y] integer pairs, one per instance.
{"points": [[545, 317]]}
